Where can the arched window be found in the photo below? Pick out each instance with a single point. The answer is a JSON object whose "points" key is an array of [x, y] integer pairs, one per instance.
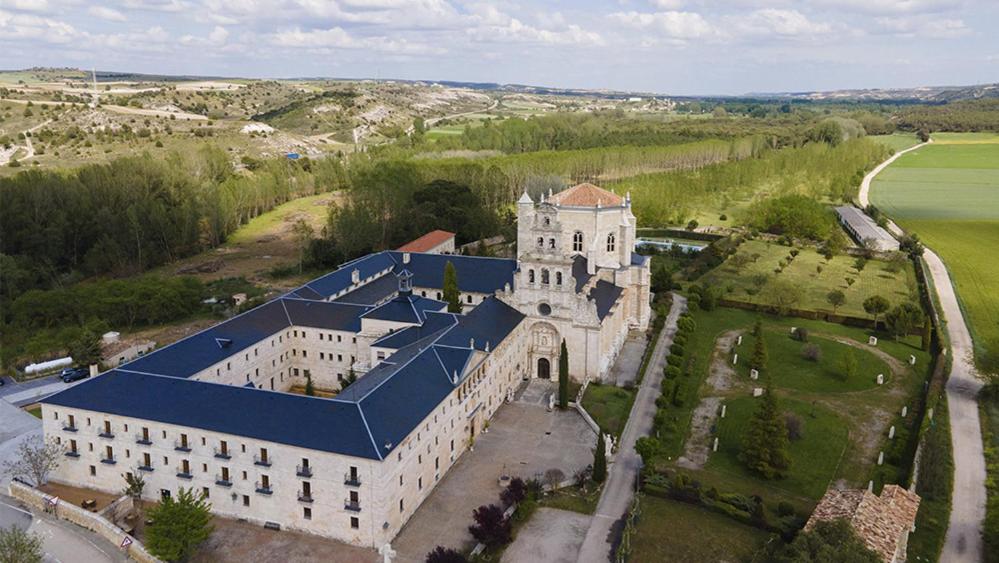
{"points": [[577, 241], [551, 243], [558, 278], [610, 242], [544, 276], [541, 242], [548, 221], [530, 276]]}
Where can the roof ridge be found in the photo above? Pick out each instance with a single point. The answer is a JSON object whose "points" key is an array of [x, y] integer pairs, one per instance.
{"points": [[364, 419]]}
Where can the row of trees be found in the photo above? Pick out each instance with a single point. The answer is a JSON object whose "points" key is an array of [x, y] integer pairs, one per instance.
{"points": [[969, 115]]}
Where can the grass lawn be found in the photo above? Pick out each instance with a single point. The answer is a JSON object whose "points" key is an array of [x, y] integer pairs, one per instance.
{"points": [[312, 208], [791, 370], [609, 406], [677, 532], [814, 458], [896, 141], [742, 283], [574, 499], [948, 194]]}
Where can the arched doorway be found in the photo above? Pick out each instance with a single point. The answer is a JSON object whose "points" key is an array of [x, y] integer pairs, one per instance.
{"points": [[544, 368]]}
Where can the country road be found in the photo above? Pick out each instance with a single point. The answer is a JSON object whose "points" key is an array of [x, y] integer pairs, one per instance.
{"points": [[28, 146], [964, 531], [620, 486]]}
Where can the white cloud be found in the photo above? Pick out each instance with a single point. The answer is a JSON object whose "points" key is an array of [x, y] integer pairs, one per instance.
{"points": [[159, 5], [26, 5], [106, 13], [927, 26], [668, 4], [773, 21], [30, 27], [338, 38], [891, 6], [488, 24], [675, 25]]}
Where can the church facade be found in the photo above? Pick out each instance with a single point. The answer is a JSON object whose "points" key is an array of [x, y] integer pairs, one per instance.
{"points": [[222, 411]]}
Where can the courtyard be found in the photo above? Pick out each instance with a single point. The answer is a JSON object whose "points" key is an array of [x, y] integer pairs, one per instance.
{"points": [[523, 440]]}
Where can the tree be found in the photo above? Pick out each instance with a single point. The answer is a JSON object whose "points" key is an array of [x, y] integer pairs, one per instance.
{"points": [[759, 359], [304, 233], [134, 484], [179, 525], [491, 528], [514, 492], [765, 442], [875, 305], [647, 448], [563, 377], [600, 460], [903, 319], [451, 293], [836, 298], [310, 389], [828, 542], [349, 379], [86, 348], [445, 555], [927, 334], [554, 477], [20, 546], [34, 460]]}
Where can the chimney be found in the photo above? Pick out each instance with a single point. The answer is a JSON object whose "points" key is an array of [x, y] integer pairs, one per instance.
{"points": [[355, 276], [405, 258], [471, 343]]}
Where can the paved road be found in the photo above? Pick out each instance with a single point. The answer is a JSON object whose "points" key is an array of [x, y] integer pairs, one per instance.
{"points": [[619, 489], [964, 532], [61, 541]]}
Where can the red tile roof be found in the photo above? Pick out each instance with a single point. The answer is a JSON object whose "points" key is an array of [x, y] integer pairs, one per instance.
{"points": [[586, 195], [427, 242], [882, 522]]}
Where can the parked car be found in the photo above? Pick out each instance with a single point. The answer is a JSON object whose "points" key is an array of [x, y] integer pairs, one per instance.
{"points": [[70, 375]]}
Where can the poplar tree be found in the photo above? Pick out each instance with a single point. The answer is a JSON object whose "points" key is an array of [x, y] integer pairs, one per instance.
{"points": [[563, 377], [451, 293], [759, 359], [600, 459]]}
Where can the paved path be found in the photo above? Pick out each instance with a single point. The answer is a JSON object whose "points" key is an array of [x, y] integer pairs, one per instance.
{"points": [[964, 532], [619, 489], [61, 541]]}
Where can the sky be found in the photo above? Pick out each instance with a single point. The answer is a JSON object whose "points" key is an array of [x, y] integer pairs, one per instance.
{"points": [[679, 47]]}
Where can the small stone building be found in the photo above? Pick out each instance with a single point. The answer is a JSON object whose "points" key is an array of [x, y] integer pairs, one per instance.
{"points": [[882, 522]]}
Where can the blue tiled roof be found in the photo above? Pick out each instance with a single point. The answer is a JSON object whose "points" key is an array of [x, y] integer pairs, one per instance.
{"points": [[186, 357], [638, 259], [579, 272], [323, 314], [434, 323], [605, 294], [340, 279], [406, 309], [475, 274], [372, 293], [489, 322], [308, 422]]}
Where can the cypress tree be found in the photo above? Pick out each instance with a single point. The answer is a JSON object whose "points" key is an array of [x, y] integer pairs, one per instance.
{"points": [[310, 390], [759, 359], [451, 293], [927, 328], [600, 459], [563, 377], [765, 442]]}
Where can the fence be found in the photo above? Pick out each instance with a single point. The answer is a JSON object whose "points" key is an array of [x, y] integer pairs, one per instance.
{"points": [[84, 518]]}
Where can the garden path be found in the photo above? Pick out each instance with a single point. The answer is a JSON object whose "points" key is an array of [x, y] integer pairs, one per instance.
{"points": [[721, 378]]}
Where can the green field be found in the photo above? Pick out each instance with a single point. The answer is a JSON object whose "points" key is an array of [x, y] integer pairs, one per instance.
{"points": [[672, 531], [609, 406], [814, 458], [948, 194], [742, 283], [897, 141]]}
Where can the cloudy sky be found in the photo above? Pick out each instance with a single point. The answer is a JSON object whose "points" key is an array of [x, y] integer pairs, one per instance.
{"points": [[665, 46]]}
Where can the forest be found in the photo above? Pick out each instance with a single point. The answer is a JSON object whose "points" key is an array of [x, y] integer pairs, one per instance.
{"points": [[963, 116]]}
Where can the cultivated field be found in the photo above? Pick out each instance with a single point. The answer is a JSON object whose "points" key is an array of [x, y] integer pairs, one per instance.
{"points": [[948, 194], [897, 141], [753, 278]]}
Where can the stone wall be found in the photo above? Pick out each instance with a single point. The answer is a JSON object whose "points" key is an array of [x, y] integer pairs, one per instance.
{"points": [[93, 522]]}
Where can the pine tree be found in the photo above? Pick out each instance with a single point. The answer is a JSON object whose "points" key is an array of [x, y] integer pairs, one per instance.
{"points": [[759, 360], [600, 459], [451, 293], [765, 442], [179, 526], [563, 377]]}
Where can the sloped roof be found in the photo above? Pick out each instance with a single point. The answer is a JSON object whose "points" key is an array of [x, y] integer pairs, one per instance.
{"points": [[881, 522], [586, 195], [405, 309], [427, 242]]}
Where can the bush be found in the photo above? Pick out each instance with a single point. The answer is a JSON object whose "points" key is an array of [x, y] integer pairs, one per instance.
{"points": [[795, 426], [491, 528], [785, 508], [800, 334], [515, 492], [676, 349], [811, 352], [672, 372], [442, 554]]}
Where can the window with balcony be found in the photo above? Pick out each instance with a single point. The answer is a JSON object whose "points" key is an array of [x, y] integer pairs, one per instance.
{"points": [[184, 471], [352, 479], [72, 452], [182, 445], [306, 494], [222, 452], [143, 437], [353, 502], [222, 479], [262, 459], [147, 463], [304, 470], [70, 425], [264, 485], [107, 430], [108, 456]]}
